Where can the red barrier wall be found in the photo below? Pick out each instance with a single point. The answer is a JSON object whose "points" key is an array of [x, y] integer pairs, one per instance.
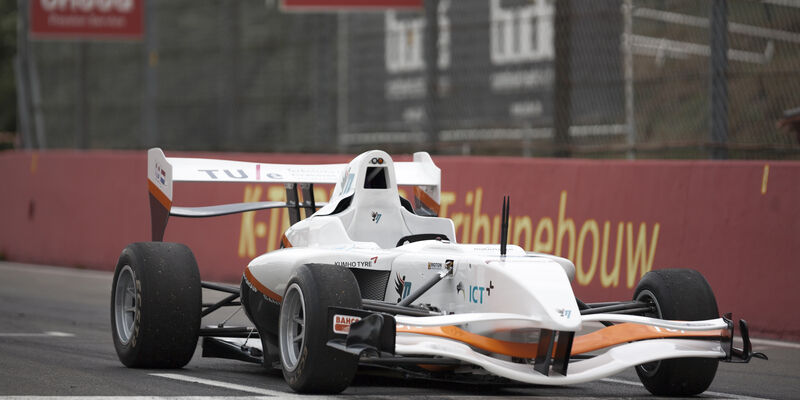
{"points": [[737, 222]]}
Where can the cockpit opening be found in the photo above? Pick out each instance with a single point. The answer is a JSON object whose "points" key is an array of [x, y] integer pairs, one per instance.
{"points": [[376, 178]]}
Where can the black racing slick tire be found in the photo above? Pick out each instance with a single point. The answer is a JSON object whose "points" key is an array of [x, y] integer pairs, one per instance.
{"points": [[309, 365], [155, 305], [678, 294]]}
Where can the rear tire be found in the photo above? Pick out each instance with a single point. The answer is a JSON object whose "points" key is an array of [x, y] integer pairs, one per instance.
{"points": [[155, 305], [309, 365], [678, 294]]}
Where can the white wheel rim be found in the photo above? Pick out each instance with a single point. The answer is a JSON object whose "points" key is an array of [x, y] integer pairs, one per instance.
{"points": [[126, 305], [647, 296], [292, 327]]}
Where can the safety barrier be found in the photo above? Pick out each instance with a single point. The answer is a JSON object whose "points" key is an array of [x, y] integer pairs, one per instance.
{"points": [[736, 222]]}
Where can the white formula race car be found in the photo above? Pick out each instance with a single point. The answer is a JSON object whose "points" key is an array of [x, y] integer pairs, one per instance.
{"points": [[370, 280]]}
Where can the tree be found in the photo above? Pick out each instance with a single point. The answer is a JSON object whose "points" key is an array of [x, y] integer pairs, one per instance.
{"points": [[8, 49]]}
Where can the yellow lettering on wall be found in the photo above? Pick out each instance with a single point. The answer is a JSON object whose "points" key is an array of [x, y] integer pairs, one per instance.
{"points": [[612, 279], [641, 254], [590, 226], [560, 236], [465, 234], [285, 224], [448, 198], [458, 219], [480, 221], [276, 193], [565, 225], [523, 225], [320, 195], [545, 226], [247, 234], [495, 229]]}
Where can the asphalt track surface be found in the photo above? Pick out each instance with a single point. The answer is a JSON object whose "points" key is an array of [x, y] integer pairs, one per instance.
{"points": [[55, 340]]}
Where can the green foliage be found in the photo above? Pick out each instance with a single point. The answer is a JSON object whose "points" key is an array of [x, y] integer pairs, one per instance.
{"points": [[8, 49]]}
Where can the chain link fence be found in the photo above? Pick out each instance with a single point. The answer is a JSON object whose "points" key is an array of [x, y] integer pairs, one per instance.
{"points": [[582, 78]]}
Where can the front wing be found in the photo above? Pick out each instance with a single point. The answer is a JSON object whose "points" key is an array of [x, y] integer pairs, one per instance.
{"points": [[558, 358]]}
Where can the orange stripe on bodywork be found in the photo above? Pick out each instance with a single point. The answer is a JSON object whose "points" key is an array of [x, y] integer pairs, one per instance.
{"points": [[260, 287], [426, 200], [606, 337], [628, 332], [285, 241], [516, 349], [159, 195]]}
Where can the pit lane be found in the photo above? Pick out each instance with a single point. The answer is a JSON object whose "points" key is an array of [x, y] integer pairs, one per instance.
{"points": [[55, 340]]}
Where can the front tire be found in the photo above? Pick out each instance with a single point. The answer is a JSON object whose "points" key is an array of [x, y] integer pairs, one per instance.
{"points": [[309, 365], [678, 294], [155, 305]]}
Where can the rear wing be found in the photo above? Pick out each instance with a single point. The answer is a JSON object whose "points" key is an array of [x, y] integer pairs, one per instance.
{"points": [[163, 171]]}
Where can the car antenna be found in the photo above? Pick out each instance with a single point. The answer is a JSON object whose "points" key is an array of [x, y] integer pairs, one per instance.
{"points": [[504, 226]]}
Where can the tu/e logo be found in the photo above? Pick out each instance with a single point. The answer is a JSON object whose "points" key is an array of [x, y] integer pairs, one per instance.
{"points": [[402, 287]]}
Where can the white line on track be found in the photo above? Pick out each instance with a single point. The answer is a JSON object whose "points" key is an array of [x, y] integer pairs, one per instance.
{"points": [[775, 343], [42, 334], [133, 397], [707, 392], [53, 270], [226, 385]]}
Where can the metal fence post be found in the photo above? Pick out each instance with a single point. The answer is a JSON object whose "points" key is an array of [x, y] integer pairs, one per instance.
{"points": [[81, 97], [563, 85], [719, 84], [149, 99], [431, 57], [342, 91], [23, 111], [21, 75], [627, 60], [29, 81], [228, 85]]}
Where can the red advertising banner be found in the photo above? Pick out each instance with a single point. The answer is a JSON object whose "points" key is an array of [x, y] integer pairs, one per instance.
{"points": [[343, 5], [737, 222], [86, 19]]}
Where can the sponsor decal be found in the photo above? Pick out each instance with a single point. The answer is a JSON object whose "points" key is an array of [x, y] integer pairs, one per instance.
{"points": [[351, 264], [341, 323], [564, 312], [434, 265], [376, 217], [402, 287], [460, 289], [238, 174], [347, 185], [161, 175], [476, 293], [86, 19], [449, 264]]}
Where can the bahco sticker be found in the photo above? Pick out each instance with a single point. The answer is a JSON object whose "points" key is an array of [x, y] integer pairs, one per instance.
{"points": [[341, 323]]}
